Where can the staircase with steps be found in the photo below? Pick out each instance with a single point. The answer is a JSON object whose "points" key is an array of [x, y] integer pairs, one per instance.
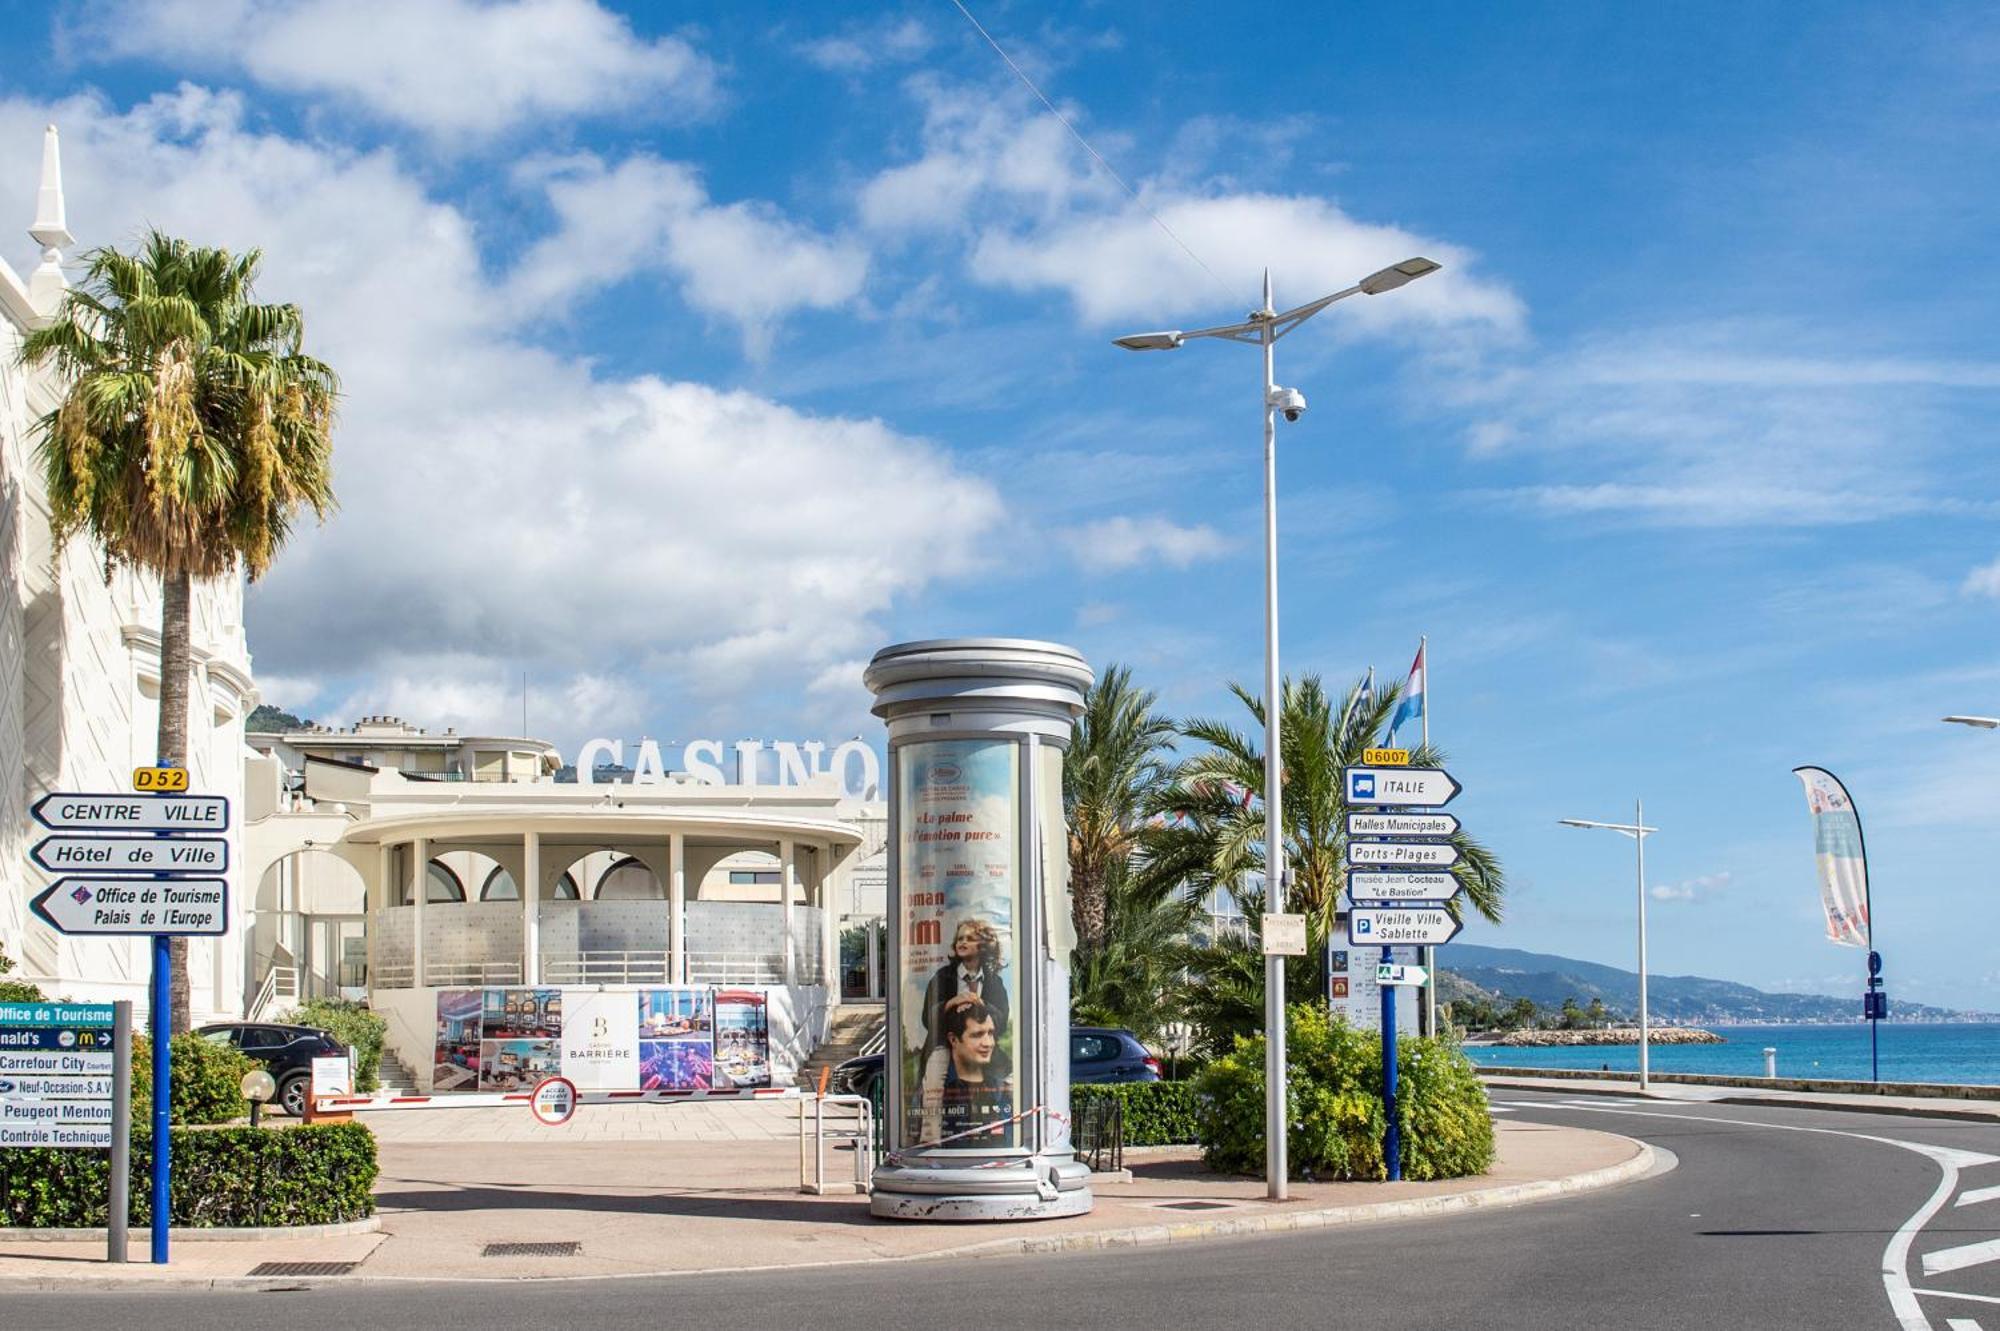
{"points": [[394, 1077], [849, 1030]]}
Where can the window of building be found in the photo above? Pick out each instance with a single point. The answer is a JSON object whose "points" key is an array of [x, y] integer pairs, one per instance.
{"points": [[440, 883], [500, 886], [629, 880], [747, 876]]}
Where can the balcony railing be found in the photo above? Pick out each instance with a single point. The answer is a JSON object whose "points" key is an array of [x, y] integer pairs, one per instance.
{"points": [[590, 968]]}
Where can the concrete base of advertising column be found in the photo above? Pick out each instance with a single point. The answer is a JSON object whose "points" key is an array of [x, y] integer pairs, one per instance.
{"points": [[1034, 1189], [977, 731]]}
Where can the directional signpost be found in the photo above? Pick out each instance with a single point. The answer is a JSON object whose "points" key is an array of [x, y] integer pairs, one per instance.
{"points": [[1400, 926], [1401, 824], [1417, 787], [143, 865], [1368, 888], [1403, 854], [1398, 893]]}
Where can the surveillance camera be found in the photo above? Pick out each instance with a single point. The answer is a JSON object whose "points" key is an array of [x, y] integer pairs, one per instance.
{"points": [[1288, 400]]}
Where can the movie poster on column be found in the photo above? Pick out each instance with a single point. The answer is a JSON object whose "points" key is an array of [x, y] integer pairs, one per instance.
{"points": [[958, 836]]}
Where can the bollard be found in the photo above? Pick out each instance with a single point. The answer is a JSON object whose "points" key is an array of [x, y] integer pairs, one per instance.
{"points": [[1770, 1062]]}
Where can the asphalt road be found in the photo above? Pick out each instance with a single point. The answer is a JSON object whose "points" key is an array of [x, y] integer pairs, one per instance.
{"points": [[1774, 1219]]}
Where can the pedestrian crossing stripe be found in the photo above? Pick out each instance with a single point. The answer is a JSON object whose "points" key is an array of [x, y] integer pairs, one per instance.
{"points": [[1957, 1259]]}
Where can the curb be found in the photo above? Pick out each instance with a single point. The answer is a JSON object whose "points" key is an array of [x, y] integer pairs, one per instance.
{"points": [[1514, 1194], [1645, 1161], [139, 1234], [1553, 1086]]}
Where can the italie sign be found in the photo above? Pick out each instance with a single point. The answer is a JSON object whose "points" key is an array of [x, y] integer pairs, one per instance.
{"points": [[854, 763]]}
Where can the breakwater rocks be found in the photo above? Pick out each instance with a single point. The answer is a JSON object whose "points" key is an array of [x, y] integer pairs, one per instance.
{"points": [[1611, 1035]]}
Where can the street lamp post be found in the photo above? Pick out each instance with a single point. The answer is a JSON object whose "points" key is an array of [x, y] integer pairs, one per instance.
{"points": [[1638, 831], [1263, 328]]}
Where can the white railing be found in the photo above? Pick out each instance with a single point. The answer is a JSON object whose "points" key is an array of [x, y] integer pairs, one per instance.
{"points": [[878, 1039], [281, 985], [606, 968], [736, 968]]}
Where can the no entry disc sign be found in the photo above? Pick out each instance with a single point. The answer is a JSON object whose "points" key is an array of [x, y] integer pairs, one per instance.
{"points": [[554, 1101]]}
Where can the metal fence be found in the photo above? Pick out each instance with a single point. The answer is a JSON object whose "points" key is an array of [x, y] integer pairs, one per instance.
{"points": [[1100, 1134]]}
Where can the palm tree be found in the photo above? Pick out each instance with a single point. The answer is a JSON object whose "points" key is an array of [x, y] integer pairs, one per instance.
{"points": [[1221, 789], [1137, 976], [1116, 767], [192, 433]]}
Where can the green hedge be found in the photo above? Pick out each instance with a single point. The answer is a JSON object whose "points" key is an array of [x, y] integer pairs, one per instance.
{"points": [[1157, 1113], [207, 1081], [1336, 1114], [314, 1174], [351, 1024]]}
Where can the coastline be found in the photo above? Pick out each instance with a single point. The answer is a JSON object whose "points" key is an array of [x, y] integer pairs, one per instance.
{"points": [[1610, 1035]]}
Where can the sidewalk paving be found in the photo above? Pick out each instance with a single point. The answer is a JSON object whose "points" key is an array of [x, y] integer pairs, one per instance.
{"points": [[1920, 1106], [655, 1207]]}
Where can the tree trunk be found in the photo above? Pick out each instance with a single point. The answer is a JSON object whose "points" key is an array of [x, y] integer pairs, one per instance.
{"points": [[176, 663]]}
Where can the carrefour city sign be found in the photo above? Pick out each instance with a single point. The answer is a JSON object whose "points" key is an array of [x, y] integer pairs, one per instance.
{"points": [[854, 763]]}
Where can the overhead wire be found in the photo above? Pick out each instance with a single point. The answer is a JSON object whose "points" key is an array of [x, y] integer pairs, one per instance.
{"points": [[1085, 144]]}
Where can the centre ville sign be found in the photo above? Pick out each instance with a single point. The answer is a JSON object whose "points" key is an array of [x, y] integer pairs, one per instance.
{"points": [[854, 763]]}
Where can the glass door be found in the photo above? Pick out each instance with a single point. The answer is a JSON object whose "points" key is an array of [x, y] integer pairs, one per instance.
{"points": [[336, 957]]}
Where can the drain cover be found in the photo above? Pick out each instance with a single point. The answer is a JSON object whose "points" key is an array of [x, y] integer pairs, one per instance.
{"points": [[303, 1268], [569, 1248], [1194, 1206]]}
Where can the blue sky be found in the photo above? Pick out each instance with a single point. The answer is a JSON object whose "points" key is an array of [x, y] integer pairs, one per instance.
{"points": [[693, 352]]}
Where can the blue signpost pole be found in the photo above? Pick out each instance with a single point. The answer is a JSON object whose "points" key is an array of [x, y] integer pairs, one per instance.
{"points": [[162, 1028], [1392, 1139]]}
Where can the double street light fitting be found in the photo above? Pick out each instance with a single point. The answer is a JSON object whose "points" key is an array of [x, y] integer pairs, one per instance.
{"points": [[1262, 329]]}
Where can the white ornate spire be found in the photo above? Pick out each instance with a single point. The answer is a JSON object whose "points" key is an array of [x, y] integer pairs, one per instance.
{"points": [[51, 229]]}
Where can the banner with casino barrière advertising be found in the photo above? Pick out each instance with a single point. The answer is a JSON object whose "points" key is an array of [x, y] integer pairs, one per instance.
{"points": [[653, 1039]]}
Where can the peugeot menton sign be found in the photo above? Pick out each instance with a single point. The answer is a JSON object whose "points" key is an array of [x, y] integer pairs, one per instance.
{"points": [[794, 764]]}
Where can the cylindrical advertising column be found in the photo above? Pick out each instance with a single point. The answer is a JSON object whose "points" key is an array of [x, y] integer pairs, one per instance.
{"points": [[980, 935]]}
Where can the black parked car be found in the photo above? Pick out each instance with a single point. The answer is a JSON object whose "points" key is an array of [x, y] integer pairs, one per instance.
{"points": [[286, 1052], [1096, 1054]]}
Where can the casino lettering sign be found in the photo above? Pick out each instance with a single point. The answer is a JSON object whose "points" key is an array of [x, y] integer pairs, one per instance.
{"points": [[854, 763]]}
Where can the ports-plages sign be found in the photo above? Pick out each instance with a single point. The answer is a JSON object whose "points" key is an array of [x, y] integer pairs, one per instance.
{"points": [[791, 764]]}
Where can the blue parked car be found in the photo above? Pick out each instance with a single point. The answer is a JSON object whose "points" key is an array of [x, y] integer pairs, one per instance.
{"points": [[1096, 1054]]}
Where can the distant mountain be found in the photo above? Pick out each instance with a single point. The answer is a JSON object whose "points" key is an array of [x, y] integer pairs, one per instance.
{"points": [[1686, 999]]}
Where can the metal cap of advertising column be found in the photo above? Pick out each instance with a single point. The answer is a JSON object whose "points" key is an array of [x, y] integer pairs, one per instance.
{"points": [[978, 1054]]}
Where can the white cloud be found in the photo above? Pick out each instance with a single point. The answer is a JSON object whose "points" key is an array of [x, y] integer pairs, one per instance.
{"points": [[744, 262], [861, 50], [1123, 542], [463, 691], [1984, 580], [1728, 424], [1036, 214], [449, 68], [1692, 889], [503, 507]]}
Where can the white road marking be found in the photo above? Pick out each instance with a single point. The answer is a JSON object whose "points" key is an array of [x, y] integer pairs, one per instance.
{"points": [[1896, 1257], [1957, 1259], [1954, 1294], [1961, 1324], [1976, 1196], [1497, 1109]]}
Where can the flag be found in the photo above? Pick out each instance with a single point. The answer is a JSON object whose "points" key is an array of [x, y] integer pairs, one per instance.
{"points": [[1411, 708], [1841, 854]]}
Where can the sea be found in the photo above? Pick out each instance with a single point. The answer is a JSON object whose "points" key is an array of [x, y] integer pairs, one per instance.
{"points": [[1963, 1054]]}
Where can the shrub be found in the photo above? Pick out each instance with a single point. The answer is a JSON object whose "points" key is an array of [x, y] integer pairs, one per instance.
{"points": [[315, 1174], [207, 1081], [1156, 1113], [1336, 1115], [351, 1024], [16, 991]]}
